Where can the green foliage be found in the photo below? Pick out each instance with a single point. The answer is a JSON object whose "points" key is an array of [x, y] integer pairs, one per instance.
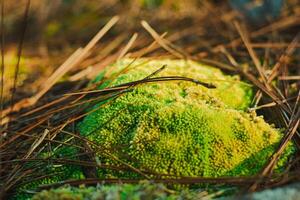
{"points": [[141, 191], [178, 127]]}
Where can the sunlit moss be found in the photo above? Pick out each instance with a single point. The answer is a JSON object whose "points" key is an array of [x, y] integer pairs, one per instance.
{"points": [[174, 127], [179, 127]]}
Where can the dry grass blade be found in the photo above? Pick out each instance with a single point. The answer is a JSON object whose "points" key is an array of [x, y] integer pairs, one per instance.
{"points": [[293, 125], [2, 72], [147, 49], [2, 60], [253, 55], [284, 57], [20, 48], [289, 78], [272, 45], [97, 91], [37, 143], [283, 23], [59, 73], [272, 104], [160, 40], [128, 46], [70, 63], [267, 171]]}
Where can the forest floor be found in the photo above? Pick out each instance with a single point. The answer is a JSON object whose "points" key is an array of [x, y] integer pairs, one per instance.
{"points": [[48, 57]]}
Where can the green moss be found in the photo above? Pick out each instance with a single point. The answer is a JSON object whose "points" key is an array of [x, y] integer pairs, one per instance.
{"points": [[179, 127], [49, 173], [175, 128], [141, 191], [230, 90]]}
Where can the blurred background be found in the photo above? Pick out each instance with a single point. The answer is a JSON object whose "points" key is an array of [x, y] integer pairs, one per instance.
{"points": [[57, 24], [55, 28]]}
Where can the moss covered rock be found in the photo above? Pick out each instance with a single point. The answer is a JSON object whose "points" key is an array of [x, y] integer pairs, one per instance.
{"points": [[179, 127]]}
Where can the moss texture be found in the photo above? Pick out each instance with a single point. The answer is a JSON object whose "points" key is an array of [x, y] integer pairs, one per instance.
{"points": [[179, 127], [142, 191], [52, 173]]}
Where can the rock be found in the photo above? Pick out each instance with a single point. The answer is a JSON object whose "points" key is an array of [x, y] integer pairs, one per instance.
{"points": [[178, 127]]}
